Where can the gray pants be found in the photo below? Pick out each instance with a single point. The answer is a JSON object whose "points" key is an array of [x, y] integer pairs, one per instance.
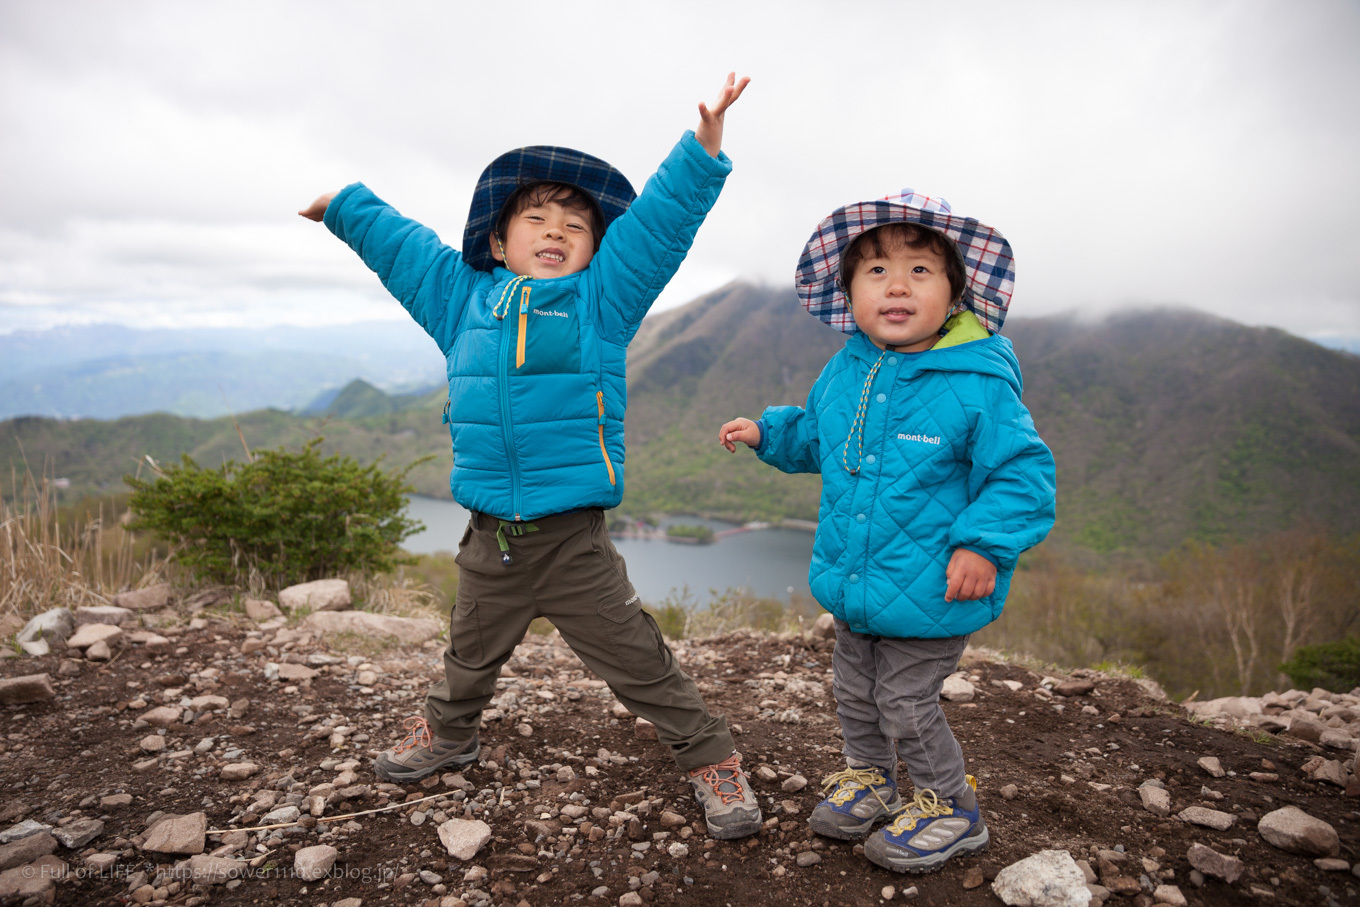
{"points": [[888, 702], [569, 572]]}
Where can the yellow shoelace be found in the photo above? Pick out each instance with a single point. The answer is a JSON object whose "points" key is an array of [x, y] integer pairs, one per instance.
{"points": [[925, 805], [848, 781]]}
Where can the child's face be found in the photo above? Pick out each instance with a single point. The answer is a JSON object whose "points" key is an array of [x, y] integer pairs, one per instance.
{"points": [[901, 298], [546, 240]]}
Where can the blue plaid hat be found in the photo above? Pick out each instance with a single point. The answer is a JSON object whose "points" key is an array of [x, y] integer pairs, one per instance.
{"points": [[536, 164], [988, 265]]}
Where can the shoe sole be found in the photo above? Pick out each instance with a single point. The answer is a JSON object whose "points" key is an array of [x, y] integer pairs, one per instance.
{"points": [[918, 865], [744, 830], [383, 771], [826, 829]]}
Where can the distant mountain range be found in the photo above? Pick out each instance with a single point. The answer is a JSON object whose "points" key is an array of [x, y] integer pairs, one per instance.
{"points": [[1166, 424], [108, 371]]}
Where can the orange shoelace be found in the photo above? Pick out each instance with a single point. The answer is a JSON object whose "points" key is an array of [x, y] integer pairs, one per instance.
{"points": [[419, 736], [712, 777]]}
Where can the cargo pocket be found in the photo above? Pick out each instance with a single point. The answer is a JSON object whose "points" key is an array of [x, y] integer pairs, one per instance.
{"points": [[634, 638], [465, 631]]}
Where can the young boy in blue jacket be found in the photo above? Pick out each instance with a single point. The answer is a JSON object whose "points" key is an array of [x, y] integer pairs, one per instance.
{"points": [[560, 262], [933, 482]]}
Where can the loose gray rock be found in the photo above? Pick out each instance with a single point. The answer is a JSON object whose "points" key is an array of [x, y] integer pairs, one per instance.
{"points": [[100, 651], [320, 595], [794, 784], [23, 829], [1168, 894], [258, 610], [206, 870], [1156, 800], [1074, 688], [78, 833], [824, 627], [1294, 831], [407, 630], [808, 858], [148, 599], [102, 614], [462, 838], [1209, 818], [162, 716], [1212, 863], [1211, 765], [178, 834], [312, 863], [51, 627], [29, 688], [957, 689], [26, 850], [291, 672], [1050, 878], [36, 881]]}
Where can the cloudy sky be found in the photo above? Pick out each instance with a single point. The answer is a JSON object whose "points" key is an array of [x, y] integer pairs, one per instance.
{"points": [[1139, 153]]}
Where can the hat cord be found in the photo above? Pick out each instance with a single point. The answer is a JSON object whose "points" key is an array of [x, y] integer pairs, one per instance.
{"points": [[506, 294], [857, 427]]}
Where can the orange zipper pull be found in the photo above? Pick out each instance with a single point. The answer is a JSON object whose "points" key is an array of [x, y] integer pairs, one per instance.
{"points": [[523, 326]]}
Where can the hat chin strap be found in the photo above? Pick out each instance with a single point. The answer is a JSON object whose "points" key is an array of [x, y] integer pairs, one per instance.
{"points": [[502, 248]]}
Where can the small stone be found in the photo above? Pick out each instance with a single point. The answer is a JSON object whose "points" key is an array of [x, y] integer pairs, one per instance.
{"points": [[808, 858], [1009, 792], [1049, 877], [630, 899], [26, 850], [320, 595], [1074, 688], [1156, 800], [178, 834], [972, 878], [1212, 863], [312, 863], [149, 599], [888, 892], [1211, 765], [28, 688], [1208, 818], [1294, 831], [115, 801], [77, 834], [956, 688], [464, 837], [644, 729], [259, 610], [152, 743], [100, 651], [794, 784], [1332, 864], [163, 716], [238, 771], [1168, 894]]}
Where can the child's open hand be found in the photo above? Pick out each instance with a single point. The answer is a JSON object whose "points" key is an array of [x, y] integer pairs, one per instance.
{"points": [[743, 430], [710, 128], [970, 576], [317, 209]]}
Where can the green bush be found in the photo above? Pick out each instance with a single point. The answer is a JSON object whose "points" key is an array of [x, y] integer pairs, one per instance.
{"points": [[1333, 666], [701, 534], [290, 517]]}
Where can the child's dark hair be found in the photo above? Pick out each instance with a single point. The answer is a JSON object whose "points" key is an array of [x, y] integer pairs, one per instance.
{"points": [[871, 245], [540, 193]]}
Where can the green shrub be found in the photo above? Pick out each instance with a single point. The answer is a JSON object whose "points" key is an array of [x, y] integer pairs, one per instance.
{"points": [[701, 534], [290, 517], [1333, 666]]}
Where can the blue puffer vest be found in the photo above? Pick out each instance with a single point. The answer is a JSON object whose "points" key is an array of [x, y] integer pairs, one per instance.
{"points": [[536, 368], [949, 459]]}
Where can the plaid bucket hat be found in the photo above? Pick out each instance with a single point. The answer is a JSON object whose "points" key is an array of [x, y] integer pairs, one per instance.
{"points": [[988, 265], [535, 164]]}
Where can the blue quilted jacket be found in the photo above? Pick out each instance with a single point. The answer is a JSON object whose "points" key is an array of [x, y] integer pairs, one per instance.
{"points": [[950, 459], [537, 396]]}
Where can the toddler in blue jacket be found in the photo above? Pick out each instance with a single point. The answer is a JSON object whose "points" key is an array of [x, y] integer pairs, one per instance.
{"points": [[560, 262], [934, 480]]}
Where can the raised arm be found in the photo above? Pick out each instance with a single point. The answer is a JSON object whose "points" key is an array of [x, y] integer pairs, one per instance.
{"points": [[427, 277], [644, 248]]}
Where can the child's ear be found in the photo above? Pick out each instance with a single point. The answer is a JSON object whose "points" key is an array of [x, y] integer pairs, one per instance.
{"points": [[497, 252]]}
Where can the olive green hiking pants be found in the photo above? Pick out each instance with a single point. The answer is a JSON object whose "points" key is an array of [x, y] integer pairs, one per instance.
{"points": [[569, 572]]}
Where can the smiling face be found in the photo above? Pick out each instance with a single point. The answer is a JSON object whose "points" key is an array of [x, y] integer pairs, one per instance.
{"points": [[900, 289], [551, 235]]}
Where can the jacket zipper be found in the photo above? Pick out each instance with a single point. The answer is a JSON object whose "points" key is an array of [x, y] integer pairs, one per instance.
{"points": [[599, 401], [507, 425], [523, 326]]}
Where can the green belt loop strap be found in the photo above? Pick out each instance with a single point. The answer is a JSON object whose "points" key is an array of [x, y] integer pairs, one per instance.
{"points": [[515, 529]]}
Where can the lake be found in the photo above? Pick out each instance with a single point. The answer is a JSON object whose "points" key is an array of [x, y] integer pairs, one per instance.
{"points": [[771, 563]]}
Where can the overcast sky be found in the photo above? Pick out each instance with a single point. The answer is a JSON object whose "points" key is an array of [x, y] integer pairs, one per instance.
{"points": [[1184, 153]]}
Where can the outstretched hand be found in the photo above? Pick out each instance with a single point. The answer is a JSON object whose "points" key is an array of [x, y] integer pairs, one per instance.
{"points": [[970, 576], [743, 430], [710, 129], [317, 209]]}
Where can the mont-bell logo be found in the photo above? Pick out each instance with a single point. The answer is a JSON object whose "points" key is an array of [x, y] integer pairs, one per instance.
{"points": [[924, 439]]}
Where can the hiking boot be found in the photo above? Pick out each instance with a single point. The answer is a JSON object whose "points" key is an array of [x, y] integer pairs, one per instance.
{"points": [[863, 794], [927, 833], [730, 808], [420, 753]]}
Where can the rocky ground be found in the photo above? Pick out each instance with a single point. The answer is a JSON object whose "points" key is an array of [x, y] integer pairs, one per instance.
{"points": [[158, 758]]}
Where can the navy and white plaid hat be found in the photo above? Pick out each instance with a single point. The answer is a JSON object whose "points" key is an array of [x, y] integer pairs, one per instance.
{"points": [[535, 164], [988, 265]]}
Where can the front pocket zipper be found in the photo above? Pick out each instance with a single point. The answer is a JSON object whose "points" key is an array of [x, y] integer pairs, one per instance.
{"points": [[599, 400], [523, 326]]}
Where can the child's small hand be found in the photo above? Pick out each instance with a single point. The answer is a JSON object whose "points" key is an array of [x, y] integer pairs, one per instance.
{"points": [[970, 576], [743, 430], [710, 128], [317, 209]]}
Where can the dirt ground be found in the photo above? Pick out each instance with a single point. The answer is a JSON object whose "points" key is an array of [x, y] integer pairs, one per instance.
{"points": [[1076, 764]]}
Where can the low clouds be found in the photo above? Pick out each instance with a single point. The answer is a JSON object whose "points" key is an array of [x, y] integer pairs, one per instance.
{"points": [[1187, 153]]}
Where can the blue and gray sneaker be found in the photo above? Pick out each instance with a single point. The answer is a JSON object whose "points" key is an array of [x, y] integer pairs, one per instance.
{"points": [[862, 795], [927, 833]]}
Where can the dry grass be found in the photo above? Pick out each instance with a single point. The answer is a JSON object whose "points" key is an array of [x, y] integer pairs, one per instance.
{"points": [[50, 559]]}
